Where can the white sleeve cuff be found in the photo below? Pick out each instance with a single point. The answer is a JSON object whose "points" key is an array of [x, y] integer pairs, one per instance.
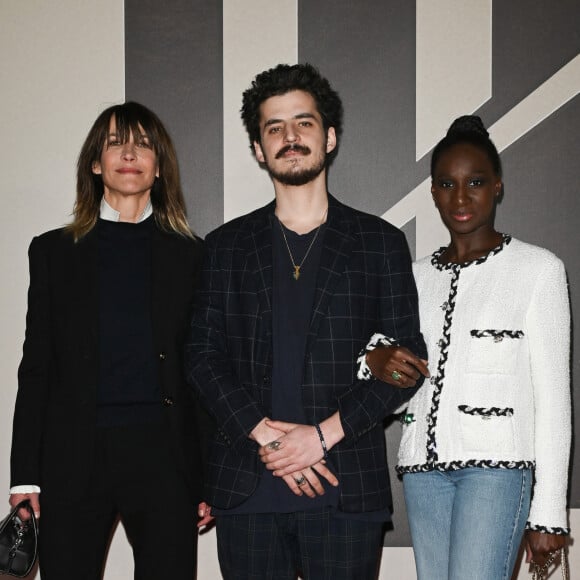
{"points": [[363, 371], [24, 489]]}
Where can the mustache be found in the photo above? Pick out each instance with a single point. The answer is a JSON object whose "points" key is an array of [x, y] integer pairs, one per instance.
{"points": [[293, 147]]}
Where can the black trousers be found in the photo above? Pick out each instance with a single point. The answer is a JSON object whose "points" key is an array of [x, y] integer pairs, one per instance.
{"points": [[134, 479], [316, 544]]}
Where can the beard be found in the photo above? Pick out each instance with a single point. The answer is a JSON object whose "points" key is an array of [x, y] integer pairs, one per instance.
{"points": [[293, 176]]}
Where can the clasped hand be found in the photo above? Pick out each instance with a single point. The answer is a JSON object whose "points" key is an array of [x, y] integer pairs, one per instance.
{"points": [[298, 459]]}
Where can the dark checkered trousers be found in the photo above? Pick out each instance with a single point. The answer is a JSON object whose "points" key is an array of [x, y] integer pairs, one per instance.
{"points": [[364, 285]]}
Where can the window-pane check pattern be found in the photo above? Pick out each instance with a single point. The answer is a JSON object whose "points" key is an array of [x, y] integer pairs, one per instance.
{"points": [[364, 285]]}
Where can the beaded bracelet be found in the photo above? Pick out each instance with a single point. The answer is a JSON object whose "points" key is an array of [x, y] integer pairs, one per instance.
{"points": [[322, 441]]}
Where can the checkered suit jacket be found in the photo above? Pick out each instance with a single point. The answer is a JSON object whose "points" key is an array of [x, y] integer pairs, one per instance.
{"points": [[364, 285]]}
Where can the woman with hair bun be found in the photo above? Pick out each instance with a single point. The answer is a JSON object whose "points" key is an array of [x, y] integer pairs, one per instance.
{"points": [[485, 446]]}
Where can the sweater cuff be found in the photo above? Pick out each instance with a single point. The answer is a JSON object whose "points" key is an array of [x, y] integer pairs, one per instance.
{"points": [[24, 489], [547, 530], [363, 371]]}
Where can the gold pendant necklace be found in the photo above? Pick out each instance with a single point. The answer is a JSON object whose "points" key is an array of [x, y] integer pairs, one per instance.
{"points": [[296, 273]]}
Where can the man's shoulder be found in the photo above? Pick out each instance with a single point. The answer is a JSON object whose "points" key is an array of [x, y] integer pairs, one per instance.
{"points": [[240, 226], [366, 223]]}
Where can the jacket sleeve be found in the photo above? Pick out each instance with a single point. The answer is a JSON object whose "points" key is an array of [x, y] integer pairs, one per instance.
{"points": [[368, 402], [33, 374], [548, 323], [208, 367]]}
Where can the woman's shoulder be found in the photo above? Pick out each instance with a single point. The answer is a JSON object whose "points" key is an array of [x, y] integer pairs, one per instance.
{"points": [[53, 237], [180, 239], [178, 251], [423, 264], [535, 256]]}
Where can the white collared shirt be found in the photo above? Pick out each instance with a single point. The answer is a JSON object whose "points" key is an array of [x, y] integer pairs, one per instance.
{"points": [[112, 215]]}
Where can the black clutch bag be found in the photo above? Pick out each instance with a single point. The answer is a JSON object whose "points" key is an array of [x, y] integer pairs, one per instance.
{"points": [[18, 542]]}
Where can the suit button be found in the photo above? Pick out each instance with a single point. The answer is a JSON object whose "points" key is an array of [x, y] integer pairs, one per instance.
{"points": [[162, 356], [266, 380], [167, 402]]}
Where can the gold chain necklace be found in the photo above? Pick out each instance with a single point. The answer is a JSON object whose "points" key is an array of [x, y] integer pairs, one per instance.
{"points": [[296, 273]]}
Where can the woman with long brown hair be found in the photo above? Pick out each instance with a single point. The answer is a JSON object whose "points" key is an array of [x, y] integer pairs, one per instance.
{"points": [[104, 425]]}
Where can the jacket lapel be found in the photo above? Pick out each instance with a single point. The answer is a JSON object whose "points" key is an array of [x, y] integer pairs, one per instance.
{"points": [[337, 246], [162, 274], [259, 256], [85, 260]]}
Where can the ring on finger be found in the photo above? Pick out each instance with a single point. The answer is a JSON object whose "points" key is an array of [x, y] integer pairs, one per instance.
{"points": [[274, 445], [300, 480], [396, 375]]}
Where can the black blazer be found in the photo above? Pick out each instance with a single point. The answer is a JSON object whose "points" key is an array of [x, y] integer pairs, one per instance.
{"points": [[364, 285], [55, 415]]}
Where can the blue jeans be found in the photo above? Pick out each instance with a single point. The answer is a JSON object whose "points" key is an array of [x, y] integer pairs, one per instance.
{"points": [[467, 523]]}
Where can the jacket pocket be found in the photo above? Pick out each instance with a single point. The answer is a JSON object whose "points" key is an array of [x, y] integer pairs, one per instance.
{"points": [[486, 429], [494, 351]]}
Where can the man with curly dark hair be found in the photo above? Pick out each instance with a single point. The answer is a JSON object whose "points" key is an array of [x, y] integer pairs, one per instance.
{"points": [[283, 79], [289, 294]]}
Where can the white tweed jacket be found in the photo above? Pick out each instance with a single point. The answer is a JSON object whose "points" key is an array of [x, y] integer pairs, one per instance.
{"points": [[498, 336]]}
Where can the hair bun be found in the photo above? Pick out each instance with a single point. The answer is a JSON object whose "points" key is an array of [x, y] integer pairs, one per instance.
{"points": [[468, 124]]}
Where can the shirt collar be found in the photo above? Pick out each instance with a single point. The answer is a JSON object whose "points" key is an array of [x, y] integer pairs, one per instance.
{"points": [[112, 215]]}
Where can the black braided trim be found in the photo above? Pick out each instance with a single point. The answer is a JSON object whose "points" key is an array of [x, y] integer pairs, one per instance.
{"points": [[438, 379], [363, 371], [486, 411], [506, 239], [547, 530], [457, 465], [497, 335]]}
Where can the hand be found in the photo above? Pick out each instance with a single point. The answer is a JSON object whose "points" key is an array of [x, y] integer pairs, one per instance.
{"points": [[310, 483], [540, 545], [266, 432], [263, 433], [300, 446], [204, 512], [386, 360], [16, 498]]}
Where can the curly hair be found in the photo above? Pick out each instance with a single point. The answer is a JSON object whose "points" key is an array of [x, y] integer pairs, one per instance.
{"points": [[467, 129], [166, 195], [283, 79]]}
